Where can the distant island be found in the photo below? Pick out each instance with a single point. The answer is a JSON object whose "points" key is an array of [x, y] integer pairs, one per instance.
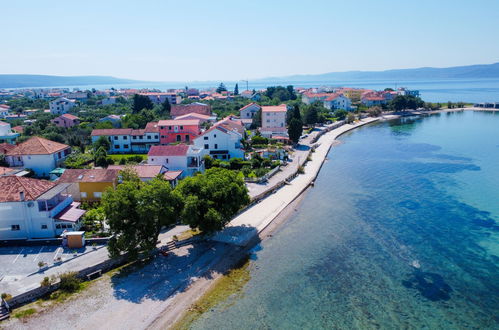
{"points": [[29, 80], [479, 71]]}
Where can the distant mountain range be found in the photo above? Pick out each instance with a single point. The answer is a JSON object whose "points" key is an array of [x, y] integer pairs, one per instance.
{"points": [[480, 71], [28, 80], [457, 72]]}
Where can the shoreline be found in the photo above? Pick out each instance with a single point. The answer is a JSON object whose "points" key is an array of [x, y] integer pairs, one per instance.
{"points": [[181, 302]]}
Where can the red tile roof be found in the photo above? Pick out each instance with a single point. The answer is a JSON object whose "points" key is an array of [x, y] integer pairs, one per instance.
{"points": [[5, 147], [152, 127], [193, 114], [18, 129], [275, 108], [12, 186], [69, 116], [249, 105], [89, 175], [169, 150], [183, 109], [172, 175], [5, 170], [112, 131], [37, 146], [185, 122]]}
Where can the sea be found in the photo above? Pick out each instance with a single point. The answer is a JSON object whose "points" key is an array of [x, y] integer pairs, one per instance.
{"points": [[400, 231], [454, 90]]}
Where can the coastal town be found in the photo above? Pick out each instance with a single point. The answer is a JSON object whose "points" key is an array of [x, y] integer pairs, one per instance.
{"points": [[73, 163]]}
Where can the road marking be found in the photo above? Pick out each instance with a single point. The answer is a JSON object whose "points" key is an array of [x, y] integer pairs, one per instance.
{"points": [[20, 252], [36, 257]]}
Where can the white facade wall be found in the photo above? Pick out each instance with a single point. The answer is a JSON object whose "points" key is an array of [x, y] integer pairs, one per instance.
{"points": [[216, 141], [179, 163], [42, 165], [249, 112], [273, 119], [61, 106], [341, 102]]}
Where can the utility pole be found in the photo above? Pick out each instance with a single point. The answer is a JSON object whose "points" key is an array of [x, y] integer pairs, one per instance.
{"points": [[246, 84]]}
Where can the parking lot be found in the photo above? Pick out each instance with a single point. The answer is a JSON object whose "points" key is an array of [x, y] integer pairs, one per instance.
{"points": [[19, 269]]}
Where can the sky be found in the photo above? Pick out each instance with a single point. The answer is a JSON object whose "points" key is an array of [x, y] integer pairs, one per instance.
{"points": [[234, 40]]}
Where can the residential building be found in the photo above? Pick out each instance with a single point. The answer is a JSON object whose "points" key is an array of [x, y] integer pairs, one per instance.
{"points": [[160, 98], [196, 107], [5, 147], [337, 101], [32, 208], [66, 120], [89, 184], [114, 119], [222, 141], [180, 157], [172, 131], [127, 140], [6, 133], [370, 99], [38, 154], [4, 110], [196, 116], [108, 100], [147, 172], [61, 105], [249, 111], [274, 121]]}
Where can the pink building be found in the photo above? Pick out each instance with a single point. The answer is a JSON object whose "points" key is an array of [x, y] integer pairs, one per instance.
{"points": [[172, 131], [66, 120]]}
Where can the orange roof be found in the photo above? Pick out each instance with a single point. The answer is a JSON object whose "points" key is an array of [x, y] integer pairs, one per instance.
{"points": [[193, 114], [37, 146], [185, 122], [5, 147], [168, 150], [69, 116], [5, 170], [275, 108], [249, 105], [12, 186], [172, 175]]}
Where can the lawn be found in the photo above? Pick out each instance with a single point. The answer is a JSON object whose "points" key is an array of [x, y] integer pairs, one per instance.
{"points": [[118, 157]]}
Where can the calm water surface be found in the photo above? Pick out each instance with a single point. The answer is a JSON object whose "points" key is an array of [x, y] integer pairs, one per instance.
{"points": [[400, 231]]}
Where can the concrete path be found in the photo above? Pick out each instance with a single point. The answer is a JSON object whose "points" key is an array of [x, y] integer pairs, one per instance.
{"points": [[249, 223]]}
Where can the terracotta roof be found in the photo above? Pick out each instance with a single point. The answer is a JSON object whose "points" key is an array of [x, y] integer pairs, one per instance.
{"points": [[111, 131], [275, 108], [89, 175], [152, 127], [172, 175], [37, 146], [143, 171], [193, 114], [18, 129], [5, 170], [5, 147], [71, 213], [4, 106], [249, 105], [2, 123], [185, 122], [69, 116], [12, 186], [169, 150], [183, 109]]}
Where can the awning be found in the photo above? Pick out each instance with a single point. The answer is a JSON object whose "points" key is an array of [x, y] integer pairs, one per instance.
{"points": [[71, 213]]}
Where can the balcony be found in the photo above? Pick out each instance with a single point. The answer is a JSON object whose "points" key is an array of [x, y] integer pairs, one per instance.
{"points": [[61, 206]]}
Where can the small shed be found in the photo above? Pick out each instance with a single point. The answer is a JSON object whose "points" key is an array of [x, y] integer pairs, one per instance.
{"points": [[73, 239]]}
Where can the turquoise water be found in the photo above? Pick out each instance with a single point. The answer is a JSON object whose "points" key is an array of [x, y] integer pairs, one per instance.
{"points": [[400, 232]]}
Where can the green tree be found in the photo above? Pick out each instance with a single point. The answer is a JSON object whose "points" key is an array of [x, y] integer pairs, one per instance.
{"points": [[257, 119], [295, 129], [311, 115], [101, 157], [141, 102], [350, 118], [103, 142], [221, 88], [340, 114], [136, 212], [212, 199], [166, 107], [236, 89]]}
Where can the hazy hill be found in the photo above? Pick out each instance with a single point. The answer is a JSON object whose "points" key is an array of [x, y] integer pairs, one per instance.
{"points": [[28, 80]]}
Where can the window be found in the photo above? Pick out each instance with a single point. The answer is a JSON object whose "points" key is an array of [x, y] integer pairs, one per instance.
{"points": [[187, 138], [125, 146], [134, 137], [207, 146], [181, 127], [167, 160], [214, 135], [206, 138], [155, 136], [116, 146], [170, 128], [125, 138], [59, 154], [83, 194], [179, 138], [58, 226], [44, 226], [216, 146], [148, 137], [15, 227], [116, 138], [97, 194]]}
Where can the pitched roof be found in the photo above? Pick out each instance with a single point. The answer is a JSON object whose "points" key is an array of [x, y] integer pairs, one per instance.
{"points": [[193, 114], [172, 175], [12, 186], [5, 170], [18, 129], [143, 171], [185, 122], [152, 127], [5, 147], [2, 123], [183, 109], [168, 150], [275, 108], [250, 105], [112, 131], [37, 146], [89, 175], [69, 116]]}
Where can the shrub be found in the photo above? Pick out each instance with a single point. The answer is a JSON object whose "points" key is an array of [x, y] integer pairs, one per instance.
{"points": [[46, 281], [6, 296], [266, 162], [70, 282], [301, 170], [41, 264]]}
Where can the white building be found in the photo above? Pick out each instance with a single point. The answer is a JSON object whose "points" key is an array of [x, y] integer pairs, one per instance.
{"points": [[32, 208], [337, 101], [274, 121], [6, 133], [61, 105], [109, 100], [249, 111], [4, 110], [222, 141], [127, 140], [180, 157], [38, 154]]}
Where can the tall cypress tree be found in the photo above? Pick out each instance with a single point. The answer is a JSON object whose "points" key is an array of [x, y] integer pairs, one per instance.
{"points": [[236, 89]]}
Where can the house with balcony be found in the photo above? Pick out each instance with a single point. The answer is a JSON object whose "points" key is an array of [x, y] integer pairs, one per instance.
{"points": [[127, 140], [66, 120], [32, 208], [6, 133], [61, 105], [223, 140], [147, 172], [172, 131], [89, 185], [38, 154], [337, 101], [274, 121], [180, 157]]}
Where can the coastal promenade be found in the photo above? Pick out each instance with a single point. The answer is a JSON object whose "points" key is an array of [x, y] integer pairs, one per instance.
{"points": [[248, 224]]}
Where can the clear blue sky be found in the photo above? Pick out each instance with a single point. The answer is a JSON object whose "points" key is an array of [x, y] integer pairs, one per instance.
{"points": [[230, 40]]}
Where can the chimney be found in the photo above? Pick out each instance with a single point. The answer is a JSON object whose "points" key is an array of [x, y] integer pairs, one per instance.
{"points": [[21, 196]]}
